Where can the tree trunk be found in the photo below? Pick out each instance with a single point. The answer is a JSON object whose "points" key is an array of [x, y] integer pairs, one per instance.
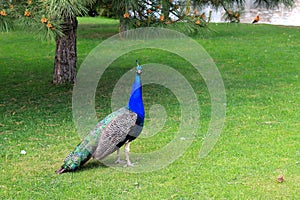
{"points": [[123, 27], [166, 5], [66, 53]]}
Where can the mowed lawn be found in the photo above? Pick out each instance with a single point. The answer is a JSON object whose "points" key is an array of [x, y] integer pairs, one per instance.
{"points": [[260, 66]]}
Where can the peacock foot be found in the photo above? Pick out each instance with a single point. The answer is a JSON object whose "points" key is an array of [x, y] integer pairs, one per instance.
{"points": [[119, 161]]}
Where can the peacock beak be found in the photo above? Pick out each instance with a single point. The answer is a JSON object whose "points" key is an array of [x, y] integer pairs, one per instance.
{"points": [[139, 71]]}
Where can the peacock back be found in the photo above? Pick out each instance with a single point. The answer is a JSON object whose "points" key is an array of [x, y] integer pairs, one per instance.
{"points": [[119, 130]]}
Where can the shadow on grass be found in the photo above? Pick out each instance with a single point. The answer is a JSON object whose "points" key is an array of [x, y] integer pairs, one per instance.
{"points": [[93, 164]]}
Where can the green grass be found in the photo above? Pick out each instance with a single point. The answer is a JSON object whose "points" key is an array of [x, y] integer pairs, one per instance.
{"points": [[260, 68]]}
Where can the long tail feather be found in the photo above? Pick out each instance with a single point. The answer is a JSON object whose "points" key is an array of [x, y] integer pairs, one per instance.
{"points": [[75, 159]]}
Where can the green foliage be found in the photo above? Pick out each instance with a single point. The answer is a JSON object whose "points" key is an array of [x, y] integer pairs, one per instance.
{"points": [[44, 17], [260, 139], [136, 13], [7, 15], [140, 13], [273, 3], [232, 16], [6, 23], [60, 9]]}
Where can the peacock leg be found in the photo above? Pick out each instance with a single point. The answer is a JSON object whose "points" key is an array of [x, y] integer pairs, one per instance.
{"points": [[127, 149], [118, 157]]}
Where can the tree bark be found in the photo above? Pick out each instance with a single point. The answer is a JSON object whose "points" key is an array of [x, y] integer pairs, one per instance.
{"points": [[124, 26], [66, 53], [166, 5]]}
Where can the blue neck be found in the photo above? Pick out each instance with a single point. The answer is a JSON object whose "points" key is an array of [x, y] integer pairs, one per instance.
{"points": [[135, 103]]}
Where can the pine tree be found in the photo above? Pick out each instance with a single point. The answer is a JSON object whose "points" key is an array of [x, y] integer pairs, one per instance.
{"points": [[54, 19]]}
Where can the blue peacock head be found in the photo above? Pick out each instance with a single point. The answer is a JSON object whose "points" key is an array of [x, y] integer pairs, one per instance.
{"points": [[139, 69]]}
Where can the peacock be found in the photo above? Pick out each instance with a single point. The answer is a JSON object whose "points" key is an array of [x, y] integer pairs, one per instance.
{"points": [[110, 134]]}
